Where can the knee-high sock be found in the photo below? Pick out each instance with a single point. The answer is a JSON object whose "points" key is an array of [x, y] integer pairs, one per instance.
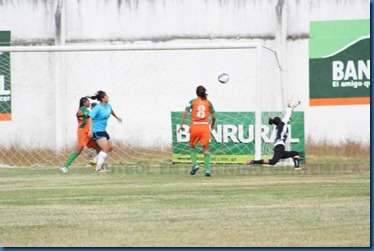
{"points": [[296, 162], [193, 156], [96, 158], [207, 162], [100, 160], [71, 158]]}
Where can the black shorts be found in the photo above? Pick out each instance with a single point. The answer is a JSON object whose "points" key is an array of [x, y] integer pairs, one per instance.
{"points": [[100, 135]]}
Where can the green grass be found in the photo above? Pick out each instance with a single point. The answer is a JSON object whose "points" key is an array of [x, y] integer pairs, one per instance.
{"points": [[144, 206]]}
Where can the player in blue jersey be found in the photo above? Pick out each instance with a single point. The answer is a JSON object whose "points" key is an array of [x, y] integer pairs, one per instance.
{"points": [[100, 115], [280, 140]]}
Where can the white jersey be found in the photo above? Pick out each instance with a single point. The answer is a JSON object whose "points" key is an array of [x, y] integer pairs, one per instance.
{"points": [[282, 128]]}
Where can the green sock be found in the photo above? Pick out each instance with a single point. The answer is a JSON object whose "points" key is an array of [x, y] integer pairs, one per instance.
{"points": [[71, 158], [193, 157], [207, 162]]}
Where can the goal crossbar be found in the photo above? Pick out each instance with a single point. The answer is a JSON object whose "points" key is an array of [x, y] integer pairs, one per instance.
{"points": [[130, 47]]}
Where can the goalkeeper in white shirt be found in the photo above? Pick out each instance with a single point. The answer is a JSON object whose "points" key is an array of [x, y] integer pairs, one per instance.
{"points": [[280, 140]]}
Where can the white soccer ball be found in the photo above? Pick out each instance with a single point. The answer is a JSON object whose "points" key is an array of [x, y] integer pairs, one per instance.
{"points": [[223, 78]]}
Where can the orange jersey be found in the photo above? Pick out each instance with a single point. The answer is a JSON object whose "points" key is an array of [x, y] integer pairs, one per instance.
{"points": [[199, 126], [82, 115], [200, 110]]}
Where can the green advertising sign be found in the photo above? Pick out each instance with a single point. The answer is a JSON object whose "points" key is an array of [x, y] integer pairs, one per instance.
{"points": [[339, 62], [233, 139], [5, 83]]}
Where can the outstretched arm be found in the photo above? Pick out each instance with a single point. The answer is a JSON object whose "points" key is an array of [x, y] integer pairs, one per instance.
{"points": [[289, 111]]}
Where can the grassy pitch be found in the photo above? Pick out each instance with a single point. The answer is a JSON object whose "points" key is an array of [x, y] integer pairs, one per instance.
{"points": [[327, 205]]}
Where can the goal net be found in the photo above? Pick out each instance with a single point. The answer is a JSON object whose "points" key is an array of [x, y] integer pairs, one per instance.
{"points": [[148, 86]]}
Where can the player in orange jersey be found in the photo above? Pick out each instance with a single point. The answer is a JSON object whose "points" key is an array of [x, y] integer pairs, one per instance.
{"points": [[84, 133], [200, 108]]}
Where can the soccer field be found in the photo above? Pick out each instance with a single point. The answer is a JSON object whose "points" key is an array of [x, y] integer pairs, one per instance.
{"points": [[152, 206]]}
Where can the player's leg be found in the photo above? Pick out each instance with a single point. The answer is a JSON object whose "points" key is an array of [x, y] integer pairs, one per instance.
{"points": [[278, 153], [102, 139], [195, 164], [295, 156], [93, 148], [72, 157], [193, 154], [204, 141], [258, 162], [101, 157], [194, 138], [110, 145], [82, 140]]}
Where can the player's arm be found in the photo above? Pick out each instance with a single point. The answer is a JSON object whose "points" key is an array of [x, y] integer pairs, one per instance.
{"points": [[287, 115], [89, 124], [289, 110], [213, 120], [182, 120], [186, 111], [118, 118], [213, 114]]}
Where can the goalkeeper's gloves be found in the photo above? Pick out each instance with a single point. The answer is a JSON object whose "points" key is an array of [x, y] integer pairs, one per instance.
{"points": [[294, 105], [291, 104]]}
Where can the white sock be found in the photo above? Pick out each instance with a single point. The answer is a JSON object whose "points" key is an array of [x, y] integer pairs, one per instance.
{"points": [[100, 160]]}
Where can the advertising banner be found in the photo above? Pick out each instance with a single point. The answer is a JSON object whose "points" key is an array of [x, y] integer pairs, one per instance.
{"points": [[5, 84], [339, 62], [233, 139]]}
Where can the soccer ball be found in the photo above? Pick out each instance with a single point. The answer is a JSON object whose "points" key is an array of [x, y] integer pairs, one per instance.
{"points": [[223, 78]]}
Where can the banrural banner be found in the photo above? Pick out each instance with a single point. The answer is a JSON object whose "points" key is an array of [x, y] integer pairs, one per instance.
{"points": [[233, 139], [339, 62], [5, 86]]}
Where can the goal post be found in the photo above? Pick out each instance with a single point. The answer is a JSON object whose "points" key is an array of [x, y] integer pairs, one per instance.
{"points": [[145, 83]]}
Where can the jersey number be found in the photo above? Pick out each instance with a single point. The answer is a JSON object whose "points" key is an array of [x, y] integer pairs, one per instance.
{"points": [[201, 111]]}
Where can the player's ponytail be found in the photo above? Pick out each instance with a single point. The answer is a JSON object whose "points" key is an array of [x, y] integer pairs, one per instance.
{"points": [[98, 96], [201, 92]]}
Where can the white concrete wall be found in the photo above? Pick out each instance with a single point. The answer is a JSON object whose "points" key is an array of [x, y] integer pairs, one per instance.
{"points": [[141, 84]]}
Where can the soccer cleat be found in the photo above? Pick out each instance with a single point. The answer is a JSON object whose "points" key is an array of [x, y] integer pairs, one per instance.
{"points": [[92, 163], [194, 169], [207, 174], [250, 162], [298, 168], [63, 169]]}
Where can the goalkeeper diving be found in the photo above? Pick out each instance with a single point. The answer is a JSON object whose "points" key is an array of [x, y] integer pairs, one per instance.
{"points": [[280, 140]]}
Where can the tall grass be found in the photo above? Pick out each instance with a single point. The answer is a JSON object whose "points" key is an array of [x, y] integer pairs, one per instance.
{"points": [[347, 148]]}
